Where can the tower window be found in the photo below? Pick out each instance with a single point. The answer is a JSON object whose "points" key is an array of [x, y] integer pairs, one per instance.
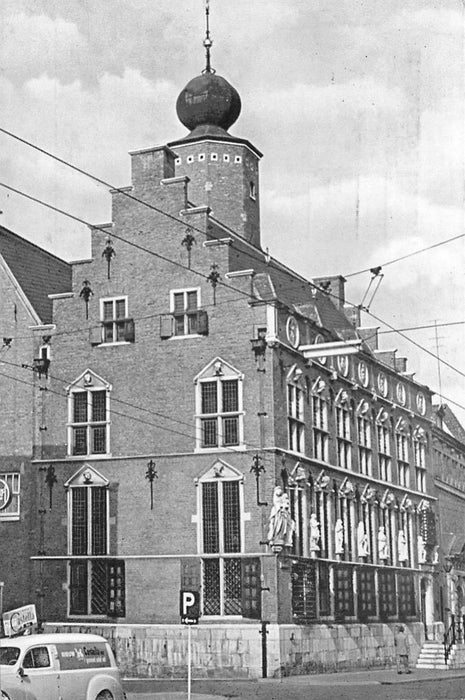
{"points": [[190, 159], [238, 159], [226, 157], [252, 190], [214, 156], [177, 161], [201, 156]]}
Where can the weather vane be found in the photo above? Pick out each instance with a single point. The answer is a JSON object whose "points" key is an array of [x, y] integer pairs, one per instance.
{"points": [[207, 41]]}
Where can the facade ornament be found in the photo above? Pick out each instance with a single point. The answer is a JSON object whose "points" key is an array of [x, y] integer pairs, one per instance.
{"points": [[406, 504], [402, 547], [86, 293], [188, 241], [342, 397], [214, 277], [281, 526], [322, 481], [347, 489], [318, 385], [368, 494], [383, 552], [388, 499], [314, 535], [108, 253], [362, 408], [339, 537], [151, 474], [363, 545], [257, 468], [382, 416]]}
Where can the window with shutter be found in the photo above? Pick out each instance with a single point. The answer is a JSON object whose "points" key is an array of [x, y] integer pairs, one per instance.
{"points": [[116, 326], [187, 317]]}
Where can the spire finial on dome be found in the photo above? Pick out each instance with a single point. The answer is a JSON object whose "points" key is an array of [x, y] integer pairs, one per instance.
{"points": [[207, 42]]}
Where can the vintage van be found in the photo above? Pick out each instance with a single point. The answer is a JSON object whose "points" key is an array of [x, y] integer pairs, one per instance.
{"points": [[58, 667]]}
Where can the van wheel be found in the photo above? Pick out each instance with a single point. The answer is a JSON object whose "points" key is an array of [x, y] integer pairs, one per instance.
{"points": [[104, 695]]}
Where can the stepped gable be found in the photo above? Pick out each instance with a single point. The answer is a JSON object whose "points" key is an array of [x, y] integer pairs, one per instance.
{"points": [[38, 272]]}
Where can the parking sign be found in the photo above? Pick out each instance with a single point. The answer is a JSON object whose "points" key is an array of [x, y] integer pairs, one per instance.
{"points": [[189, 607]]}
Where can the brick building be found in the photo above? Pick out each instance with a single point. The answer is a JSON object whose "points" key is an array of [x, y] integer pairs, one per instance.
{"points": [[448, 469], [215, 422], [27, 274]]}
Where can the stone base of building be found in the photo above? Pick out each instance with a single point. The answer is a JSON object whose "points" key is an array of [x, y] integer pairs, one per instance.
{"points": [[236, 650]]}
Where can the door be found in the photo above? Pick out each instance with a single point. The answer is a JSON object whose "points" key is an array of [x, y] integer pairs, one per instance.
{"points": [[40, 673]]}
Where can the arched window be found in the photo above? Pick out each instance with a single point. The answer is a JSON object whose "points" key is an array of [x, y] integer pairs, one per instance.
{"points": [[88, 415]]}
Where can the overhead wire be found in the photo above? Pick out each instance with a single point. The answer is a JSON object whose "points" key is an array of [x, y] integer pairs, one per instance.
{"points": [[307, 282]]}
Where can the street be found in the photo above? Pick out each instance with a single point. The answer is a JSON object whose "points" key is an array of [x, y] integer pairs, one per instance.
{"points": [[364, 687]]}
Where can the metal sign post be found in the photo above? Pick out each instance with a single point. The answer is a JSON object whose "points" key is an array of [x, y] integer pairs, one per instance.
{"points": [[189, 609]]}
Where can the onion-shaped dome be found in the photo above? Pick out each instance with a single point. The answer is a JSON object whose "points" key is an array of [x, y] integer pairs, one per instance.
{"points": [[208, 101]]}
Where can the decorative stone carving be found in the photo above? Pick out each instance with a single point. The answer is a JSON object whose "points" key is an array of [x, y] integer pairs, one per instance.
{"points": [[383, 552], [363, 544], [339, 537], [402, 548], [314, 534], [281, 526]]}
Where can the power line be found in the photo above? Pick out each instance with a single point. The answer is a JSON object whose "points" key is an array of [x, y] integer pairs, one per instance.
{"points": [[408, 255], [179, 220]]}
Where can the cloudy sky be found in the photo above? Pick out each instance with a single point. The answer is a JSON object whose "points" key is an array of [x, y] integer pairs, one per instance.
{"points": [[357, 105]]}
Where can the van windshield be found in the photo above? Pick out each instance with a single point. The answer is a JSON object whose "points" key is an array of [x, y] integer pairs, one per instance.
{"points": [[8, 655]]}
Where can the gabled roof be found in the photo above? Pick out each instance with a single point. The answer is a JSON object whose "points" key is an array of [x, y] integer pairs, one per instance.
{"points": [[37, 272], [450, 422]]}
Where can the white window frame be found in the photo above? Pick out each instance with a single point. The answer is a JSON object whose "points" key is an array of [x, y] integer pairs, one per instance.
{"points": [[218, 474], [365, 454], [343, 436], [383, 442], [115, 320], [98, 482], [88, 382], [295, 417], [184, 291], [402, 456], [320, 427], [228, 373]]}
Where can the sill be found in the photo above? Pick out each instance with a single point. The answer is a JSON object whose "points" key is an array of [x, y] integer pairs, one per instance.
{"points": [[188, 335], [77, 458], [10, 518], [117, 342], [225, 448]]}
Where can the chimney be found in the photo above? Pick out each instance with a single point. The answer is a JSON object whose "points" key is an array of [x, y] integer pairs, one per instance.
{"points": [[151, 165], [401, 364], [369, 337], [353, 315], [335, 287]]}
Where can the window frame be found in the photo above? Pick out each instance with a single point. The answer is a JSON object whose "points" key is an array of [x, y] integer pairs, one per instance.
{"points": [[186, 315], [227, 475], [402, 456], [13, 482], [116, 321], [320, 431], [364, 440], [383, 443], [88, 383], [295, 401], [343, 436], [226, 373]]}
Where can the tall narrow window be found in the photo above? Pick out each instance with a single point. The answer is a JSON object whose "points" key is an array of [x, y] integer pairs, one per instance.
{"points": [[419, 458], [89, 422], [88, 416], [344, 446], [364, 444], [402, 458], [295, 417], [320, 427], [384, 452], [221, 534], [185, 305], [219, 406]]}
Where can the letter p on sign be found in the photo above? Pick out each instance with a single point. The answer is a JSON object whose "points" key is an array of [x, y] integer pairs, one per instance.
{"points": [[189, 607]]}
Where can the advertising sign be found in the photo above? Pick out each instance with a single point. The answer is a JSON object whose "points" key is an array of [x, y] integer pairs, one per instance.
{"points": [[73, 656], [18, 620], [4, 494]]}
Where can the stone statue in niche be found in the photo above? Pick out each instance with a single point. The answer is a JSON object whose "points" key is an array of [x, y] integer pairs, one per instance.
{"points": [[339, 537], [281, 526], [362, 540], [314, 534], [421, 550], [402, 548], [383, 553]]}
